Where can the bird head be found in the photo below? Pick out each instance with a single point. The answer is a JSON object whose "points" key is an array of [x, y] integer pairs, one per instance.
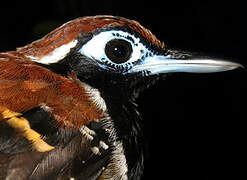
{"points": [[116, 57], [113, 53]]}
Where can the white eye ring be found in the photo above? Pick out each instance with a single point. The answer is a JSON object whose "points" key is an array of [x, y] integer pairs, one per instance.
{"points": [[95, 48]]}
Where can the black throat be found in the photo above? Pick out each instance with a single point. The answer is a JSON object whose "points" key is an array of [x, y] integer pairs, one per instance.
{"points": [[119, 93]]}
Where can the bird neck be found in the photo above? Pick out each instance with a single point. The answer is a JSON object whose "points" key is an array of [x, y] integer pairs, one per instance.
{"points": [[119, 93]]}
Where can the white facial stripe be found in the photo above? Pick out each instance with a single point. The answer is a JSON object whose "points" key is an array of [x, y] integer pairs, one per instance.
{"points": [[95, 48], [56, 55]]}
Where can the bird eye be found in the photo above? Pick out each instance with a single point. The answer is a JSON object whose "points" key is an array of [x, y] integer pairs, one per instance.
{"points": [[115, 50], [118, 50]]}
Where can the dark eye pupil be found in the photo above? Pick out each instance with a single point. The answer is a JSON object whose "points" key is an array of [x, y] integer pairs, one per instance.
{"points": [[118, 50]]}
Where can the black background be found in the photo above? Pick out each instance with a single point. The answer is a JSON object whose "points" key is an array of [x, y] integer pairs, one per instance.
{"points": [[194, 123]]}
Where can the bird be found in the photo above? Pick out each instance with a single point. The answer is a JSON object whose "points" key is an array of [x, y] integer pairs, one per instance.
{"points": [[68, 100]]}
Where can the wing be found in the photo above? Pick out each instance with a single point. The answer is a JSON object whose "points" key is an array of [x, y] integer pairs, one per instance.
{"points": [[55, 107], [25, 85]]}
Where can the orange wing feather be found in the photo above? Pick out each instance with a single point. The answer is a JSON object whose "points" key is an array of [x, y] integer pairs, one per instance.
{"points": [[25, 85]]}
